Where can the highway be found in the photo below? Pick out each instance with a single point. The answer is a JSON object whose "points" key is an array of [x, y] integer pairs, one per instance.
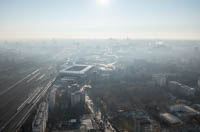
{"points": [[19, 96]]}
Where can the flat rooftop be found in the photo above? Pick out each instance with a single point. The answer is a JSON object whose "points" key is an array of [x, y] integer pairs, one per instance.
{"points": [[170, 118], [76, 69], [184, 109]]}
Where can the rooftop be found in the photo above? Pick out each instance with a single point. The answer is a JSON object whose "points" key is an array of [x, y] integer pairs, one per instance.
{"points": [[76, 69], [87, 123], [170, 118], [181, 109]]}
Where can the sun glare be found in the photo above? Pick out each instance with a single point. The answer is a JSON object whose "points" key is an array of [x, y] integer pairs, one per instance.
{"points": [[104, 2]]}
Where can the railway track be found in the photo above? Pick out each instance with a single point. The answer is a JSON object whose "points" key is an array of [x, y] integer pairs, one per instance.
{"points": [[17, 98], [24, 110]]}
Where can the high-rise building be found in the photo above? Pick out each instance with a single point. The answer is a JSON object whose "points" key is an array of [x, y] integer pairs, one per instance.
{"points": [[52, 99], [77, 97]]}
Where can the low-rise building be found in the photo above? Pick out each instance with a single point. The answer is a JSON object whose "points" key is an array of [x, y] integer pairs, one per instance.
{"points": [[186, 90], [39, 123], [144, 124], [174, 86], [170, 119], [183, 111], [178, 88]]}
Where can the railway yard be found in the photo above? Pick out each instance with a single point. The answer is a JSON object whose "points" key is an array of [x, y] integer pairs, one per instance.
{"points": [[22, 92], [22, 85]]}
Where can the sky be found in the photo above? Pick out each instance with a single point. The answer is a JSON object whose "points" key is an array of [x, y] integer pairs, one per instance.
{"points": [[136, 19]]}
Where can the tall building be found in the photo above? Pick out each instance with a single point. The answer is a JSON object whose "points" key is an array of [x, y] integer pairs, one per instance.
{"points": [[77, 97], [52, 99]]}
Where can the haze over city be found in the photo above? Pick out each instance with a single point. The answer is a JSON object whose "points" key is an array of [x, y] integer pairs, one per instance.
{"points": [[99, 66], [137, 19]]}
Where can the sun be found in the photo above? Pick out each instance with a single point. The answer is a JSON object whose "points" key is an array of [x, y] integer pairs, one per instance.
{"points": [[104, 2]]}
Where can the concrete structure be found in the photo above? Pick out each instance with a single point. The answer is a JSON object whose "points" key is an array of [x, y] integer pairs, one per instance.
{"points": [[143, 125], [86, 125], [198, 82], [77, 97], [178, 88], [76, 70], [183, 110], [174, 86], [76, 73], [197, 106], [52, 98], [160, 79], [39, 123], [170, 119], [186, 90]]}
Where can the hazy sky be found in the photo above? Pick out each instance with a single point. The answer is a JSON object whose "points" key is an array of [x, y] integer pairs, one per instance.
{"points": [[168, 19]]}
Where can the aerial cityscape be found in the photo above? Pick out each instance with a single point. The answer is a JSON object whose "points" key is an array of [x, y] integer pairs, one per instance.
{"points": [[99, 66], [116, 85]]}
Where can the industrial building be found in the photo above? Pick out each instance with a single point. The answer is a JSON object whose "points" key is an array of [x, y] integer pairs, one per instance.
{"points": [[178, 88], [76, 70], [170, 119], [41, 118], [183, 111], [75, 74]]}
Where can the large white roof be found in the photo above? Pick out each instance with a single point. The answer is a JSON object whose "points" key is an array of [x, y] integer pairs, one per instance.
{"points": [[83, 71]]}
